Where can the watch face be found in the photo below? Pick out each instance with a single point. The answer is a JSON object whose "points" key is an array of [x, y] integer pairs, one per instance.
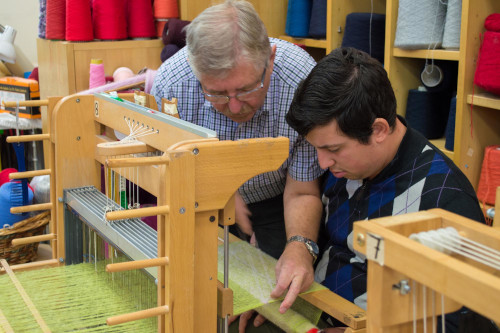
{"points": [[313, 247]]}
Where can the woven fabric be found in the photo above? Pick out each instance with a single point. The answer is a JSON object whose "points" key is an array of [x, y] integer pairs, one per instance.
{"points": [[251, 277]]}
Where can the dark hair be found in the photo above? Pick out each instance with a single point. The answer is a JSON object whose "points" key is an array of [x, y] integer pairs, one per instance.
{"points": [[348, 86]]}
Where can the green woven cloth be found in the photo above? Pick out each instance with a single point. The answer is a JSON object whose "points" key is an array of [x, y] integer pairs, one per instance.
{"points": [[252, 278], [77, 298]]}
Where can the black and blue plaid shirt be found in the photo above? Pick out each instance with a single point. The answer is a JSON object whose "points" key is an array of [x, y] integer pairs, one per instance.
{"points": [[420, 177]]}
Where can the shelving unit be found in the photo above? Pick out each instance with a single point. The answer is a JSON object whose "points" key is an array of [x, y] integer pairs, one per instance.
{"points": [[336, 13], [271, 12], [478, 113]]}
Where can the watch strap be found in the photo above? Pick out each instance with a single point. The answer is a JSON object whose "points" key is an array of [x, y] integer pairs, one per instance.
{"points": [[311, 245]]}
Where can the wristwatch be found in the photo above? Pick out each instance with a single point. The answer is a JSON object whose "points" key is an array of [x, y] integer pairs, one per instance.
{"points": [[311, 246]]}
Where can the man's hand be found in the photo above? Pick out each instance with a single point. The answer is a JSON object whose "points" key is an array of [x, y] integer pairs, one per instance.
{"points": [[242, 215], [294, 271], [245, 317]]}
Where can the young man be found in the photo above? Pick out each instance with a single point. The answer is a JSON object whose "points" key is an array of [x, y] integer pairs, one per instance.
{"points": [[232, 78], [378, 166]]}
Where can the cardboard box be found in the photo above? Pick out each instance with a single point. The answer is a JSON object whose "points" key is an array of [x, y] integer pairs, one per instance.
{"points": [[19, 89]]}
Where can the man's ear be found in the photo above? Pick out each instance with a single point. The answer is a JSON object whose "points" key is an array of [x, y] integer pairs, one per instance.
{"points": [[381, 130]]}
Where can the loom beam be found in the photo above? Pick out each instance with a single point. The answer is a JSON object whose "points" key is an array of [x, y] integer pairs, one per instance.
{"points": [[393, 257]]}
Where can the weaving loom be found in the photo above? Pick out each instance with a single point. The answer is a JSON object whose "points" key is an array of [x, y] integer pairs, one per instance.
{"points": [[436, 271], [193, 178]]}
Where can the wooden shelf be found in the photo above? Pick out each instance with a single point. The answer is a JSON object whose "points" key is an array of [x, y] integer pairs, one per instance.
{"points": [[427, 54], [485, 100], [309, 42], [439, 143]]}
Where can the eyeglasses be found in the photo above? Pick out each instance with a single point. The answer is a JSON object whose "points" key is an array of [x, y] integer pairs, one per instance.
{"points": [[242, 97]]}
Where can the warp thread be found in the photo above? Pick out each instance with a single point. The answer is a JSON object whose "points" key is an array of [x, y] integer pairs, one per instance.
{"points": [[452, 24], [141, 22], [79, 27], [487, 75], [489, 179], [427, 112], [166, 9], [420, 24], [298, 18], [365, 32], [96, 77], [109, 19], [56, 20]]}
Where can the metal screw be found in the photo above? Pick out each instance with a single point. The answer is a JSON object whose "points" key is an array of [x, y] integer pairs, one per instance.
{"points": [[212, 218], [78, 100], [182, 210], [78, 138], [361, 239], [196, 151], [403, 287], [60, 199], [61, 259], [195, 205]]}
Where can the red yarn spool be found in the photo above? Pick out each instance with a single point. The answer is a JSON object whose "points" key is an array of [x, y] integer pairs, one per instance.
{"points": [[79, 21], [141, 23], [109, 19], [56, 19], [487, 74], [160, 25], [166, 9], [490, 175]]}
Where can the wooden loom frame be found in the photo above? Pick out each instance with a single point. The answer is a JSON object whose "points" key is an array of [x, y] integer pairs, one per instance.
{"points": [[194, 182], [393, 257]]}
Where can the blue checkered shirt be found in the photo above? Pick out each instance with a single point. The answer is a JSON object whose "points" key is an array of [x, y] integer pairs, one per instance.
{"points": [[292, 64]]}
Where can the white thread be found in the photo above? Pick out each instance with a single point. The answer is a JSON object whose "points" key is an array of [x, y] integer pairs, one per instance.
{"points": [[443, 329], [448, 240], [433, 293], [414, 307], [424, 309]]}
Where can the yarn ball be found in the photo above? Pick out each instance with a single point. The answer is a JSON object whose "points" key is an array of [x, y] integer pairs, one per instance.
{"points": [[41, 188], [174, 32], [4, 175], [122, 73], [492, 22], [150, 77], [168, 51], [11, 196]]}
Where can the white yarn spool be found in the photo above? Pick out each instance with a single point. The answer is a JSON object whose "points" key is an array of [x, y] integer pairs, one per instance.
{"points": [[420, 24], [451, 35]]}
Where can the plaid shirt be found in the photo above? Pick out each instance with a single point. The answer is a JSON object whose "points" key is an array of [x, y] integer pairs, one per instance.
{"points": [[420, 177], [292, 64]]}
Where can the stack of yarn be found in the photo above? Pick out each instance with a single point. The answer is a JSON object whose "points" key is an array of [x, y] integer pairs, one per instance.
{"points": [[173, 37], [84, 20]]}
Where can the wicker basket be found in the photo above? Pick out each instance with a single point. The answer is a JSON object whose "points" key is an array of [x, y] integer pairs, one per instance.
{"points": [[32, 226]]}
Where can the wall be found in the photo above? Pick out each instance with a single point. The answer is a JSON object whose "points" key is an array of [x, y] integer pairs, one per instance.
{"points": [[22, 15]]}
